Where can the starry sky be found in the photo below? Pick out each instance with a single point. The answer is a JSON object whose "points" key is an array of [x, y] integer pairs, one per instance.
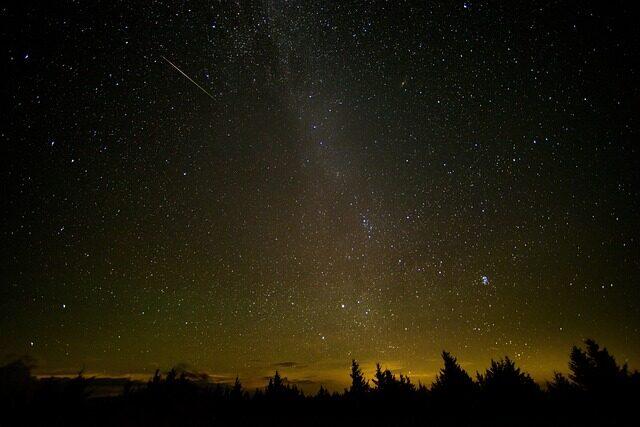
{"points": [[312, 182]]}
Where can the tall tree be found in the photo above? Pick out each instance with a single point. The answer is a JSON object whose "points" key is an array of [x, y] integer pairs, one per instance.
{"points": [[452, 379], [359, 385], [595, 369], [505, 379], [323, 394], [236, 392], [388, 385], [277, 389]]}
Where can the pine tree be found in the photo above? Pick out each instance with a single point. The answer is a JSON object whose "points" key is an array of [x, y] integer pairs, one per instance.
{"points": [[275, 386], [560, 387], [359, 385], [323, 394], [505, 379], [452, 379], [236, 391], [381, 379], [391, 387], [277, 389], [595, 369]]}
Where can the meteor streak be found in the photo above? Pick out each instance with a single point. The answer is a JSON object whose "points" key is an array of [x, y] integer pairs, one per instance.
{"points": [[190, 79]]}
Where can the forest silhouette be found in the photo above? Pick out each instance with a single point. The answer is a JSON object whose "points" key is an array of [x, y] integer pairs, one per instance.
{"points": [[596, 391]]}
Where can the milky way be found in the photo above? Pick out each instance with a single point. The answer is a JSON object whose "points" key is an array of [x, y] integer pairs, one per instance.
{"points": [[377, 181]]}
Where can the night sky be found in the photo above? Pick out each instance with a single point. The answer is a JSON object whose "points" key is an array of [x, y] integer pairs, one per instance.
{"points": [[333, 180]]}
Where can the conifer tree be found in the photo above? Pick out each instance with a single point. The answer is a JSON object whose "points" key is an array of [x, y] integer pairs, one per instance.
{"points": [[359, 385], [452, 379]]}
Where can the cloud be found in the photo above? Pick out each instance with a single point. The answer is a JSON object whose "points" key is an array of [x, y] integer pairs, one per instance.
{"points": [[285, 365], [221, 378]]}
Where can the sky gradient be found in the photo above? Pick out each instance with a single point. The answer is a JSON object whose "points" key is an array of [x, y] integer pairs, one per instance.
{"points": [[379, 181]]}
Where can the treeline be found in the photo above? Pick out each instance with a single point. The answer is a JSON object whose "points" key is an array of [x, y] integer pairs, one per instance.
{"points": [[597, 391]]}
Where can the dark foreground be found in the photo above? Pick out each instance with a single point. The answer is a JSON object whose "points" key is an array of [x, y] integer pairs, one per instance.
{"points": [[123, 412], [597, 392]]}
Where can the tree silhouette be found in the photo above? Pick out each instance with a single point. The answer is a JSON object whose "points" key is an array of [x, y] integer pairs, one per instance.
{"points": [[236, 392], [452, 381], [16, 382], [277, 389], [359, 385], [404, 385], [597, 391], [388, 385], [323, 394], [275, 385], [503, 379], [382, 379], [594, 369], [172, 376], [560, 385], [258, 394], [156, 379]]}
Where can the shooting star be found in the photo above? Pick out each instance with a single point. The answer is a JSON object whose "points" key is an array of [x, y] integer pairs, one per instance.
{"points": [[190, 79]]}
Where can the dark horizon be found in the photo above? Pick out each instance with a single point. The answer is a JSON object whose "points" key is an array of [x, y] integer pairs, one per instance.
{"points": [[596, 391], [290, 371]]}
